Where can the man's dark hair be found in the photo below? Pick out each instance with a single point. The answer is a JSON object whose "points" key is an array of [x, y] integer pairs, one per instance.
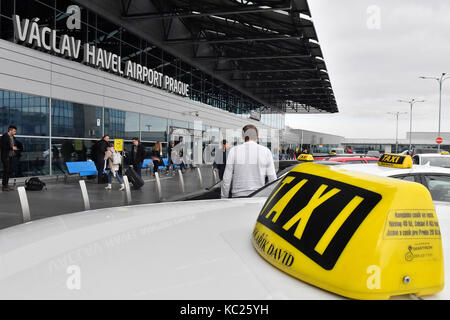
{"points": [[250, 132], [135, 138], [106, 135], [224, 141], [11, 127]]}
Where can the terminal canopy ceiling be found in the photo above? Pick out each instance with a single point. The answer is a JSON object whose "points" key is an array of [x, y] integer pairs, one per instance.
{"points": [[266, 49]]}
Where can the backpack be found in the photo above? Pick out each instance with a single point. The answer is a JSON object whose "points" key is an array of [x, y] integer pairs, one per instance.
{"points": [[34, 184], [116, 158]]}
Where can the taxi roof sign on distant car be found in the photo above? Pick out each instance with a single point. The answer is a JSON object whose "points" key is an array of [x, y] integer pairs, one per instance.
{"points": [[321, 224], [392, 160], [445, 152], [305, 157]]}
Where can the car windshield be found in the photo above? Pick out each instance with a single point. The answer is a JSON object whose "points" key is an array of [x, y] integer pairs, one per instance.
{"points": [[439, 187], [268, 188], [437, 161]]}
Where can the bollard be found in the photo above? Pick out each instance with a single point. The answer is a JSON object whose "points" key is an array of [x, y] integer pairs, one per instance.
{"points": [[85, 195], [24, 204], [200, 179], [127, 188], [215, 178], [158, 187], [181, 181]]}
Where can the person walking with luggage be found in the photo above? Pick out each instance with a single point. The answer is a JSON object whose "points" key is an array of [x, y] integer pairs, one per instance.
{"points": [[220, 160], [113, 159], [137, 156], [8, 152], [98, 156], [156, 156], [247, 166]]}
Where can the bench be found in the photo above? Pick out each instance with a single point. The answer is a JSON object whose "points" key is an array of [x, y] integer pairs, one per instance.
{"points": [[82, 168], [165, 162], [147, 163]]}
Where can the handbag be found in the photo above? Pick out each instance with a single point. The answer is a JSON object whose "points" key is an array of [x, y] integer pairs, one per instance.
{"points": [[116, 158], [34, 184]]}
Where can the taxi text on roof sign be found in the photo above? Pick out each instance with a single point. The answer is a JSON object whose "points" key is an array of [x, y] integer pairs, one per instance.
{"points": [[395, 161], [330, 227], [305, 157]]}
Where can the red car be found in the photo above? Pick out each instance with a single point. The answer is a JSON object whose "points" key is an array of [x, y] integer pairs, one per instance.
{"points": [[349, 160]]}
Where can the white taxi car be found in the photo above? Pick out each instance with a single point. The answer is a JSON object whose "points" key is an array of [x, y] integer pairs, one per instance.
{"points": [[336, 240], [432, 159]]}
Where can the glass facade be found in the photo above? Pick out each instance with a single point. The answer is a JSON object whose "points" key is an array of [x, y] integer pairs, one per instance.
{"points": [[121, 124], [76, 120], [153, 128], [104, 34], [47, 143], [28, 113], [53, 132], [32, 159], [274, 120]]}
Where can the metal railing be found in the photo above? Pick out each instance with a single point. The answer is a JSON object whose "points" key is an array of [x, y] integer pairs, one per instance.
{"points": [[179, 178]]}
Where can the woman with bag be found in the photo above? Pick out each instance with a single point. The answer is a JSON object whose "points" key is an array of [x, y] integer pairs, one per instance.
{"points": [[114, 159]]}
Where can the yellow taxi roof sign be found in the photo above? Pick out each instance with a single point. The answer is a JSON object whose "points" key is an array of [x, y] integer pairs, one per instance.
{"points": [[445, 152], [358, 235], [392, 160], [305, 157]]}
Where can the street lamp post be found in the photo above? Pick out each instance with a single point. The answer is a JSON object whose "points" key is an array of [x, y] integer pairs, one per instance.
{"points": [[440, 80], [396, 130], [411, 103]]}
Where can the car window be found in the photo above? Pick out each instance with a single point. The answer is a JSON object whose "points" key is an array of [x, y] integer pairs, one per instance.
{"points": [[372, 161], [407, 178], [439, 187], [267, 189], [437, 161]]}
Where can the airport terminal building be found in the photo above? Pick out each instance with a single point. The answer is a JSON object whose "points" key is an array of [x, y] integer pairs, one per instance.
{"points": [[72, 71]]}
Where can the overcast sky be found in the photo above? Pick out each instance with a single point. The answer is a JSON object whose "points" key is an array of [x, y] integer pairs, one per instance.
{"points": [[374, 63]]}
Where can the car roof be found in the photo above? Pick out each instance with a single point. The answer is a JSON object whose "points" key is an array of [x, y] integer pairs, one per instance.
{"points": [[374, 168], [353, 158], [436, 155], [173, 250]]}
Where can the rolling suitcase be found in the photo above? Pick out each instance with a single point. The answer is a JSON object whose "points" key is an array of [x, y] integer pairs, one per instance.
{"points": [[134, 178]]}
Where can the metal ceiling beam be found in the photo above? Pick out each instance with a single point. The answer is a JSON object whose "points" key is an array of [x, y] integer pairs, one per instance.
{"points": [[290, 56], [279, 80], [306, 95], [192, 41], [193, 14], [288, 88], [266, 70]]}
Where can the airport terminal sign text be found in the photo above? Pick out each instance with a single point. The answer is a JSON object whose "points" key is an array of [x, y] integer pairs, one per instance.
{"points": [[28, 32]]}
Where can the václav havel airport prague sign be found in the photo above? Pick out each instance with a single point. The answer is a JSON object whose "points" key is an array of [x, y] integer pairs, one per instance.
{"points": [[28, 32]]}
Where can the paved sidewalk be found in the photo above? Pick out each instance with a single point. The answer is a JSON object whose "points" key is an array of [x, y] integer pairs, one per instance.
{"points": [[62, 198]]}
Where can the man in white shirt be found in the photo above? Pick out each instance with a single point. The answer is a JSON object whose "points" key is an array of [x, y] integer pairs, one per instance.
{"points": [[247, 167]]}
